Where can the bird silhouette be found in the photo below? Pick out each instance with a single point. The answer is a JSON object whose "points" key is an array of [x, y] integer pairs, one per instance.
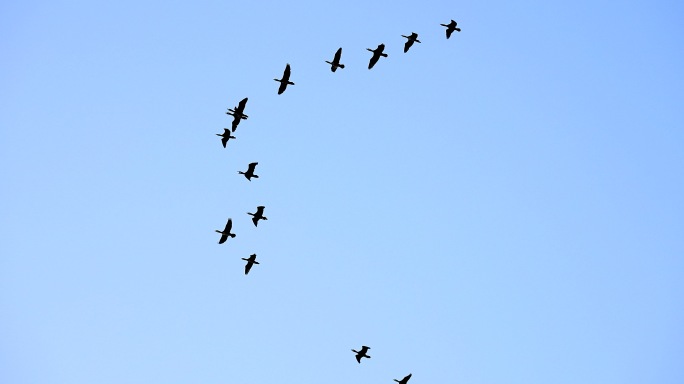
{"points": [[285, 80], [250, 171], [259, 215], [361, 353], [238, 113], [225, 136], [450, 28], [226, 232], [377, 52], [412, 38], [251, 261], [336, 61], [404, 380]]}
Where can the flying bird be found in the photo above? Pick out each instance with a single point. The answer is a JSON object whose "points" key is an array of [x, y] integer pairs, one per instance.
{"points": [[361, 353], [450, 28], [377, 52], [225, 136], [285, 80], [413, 38], [238, 113], [226, 232], [259, 215], [336, 61], [404, 380], [250, 171], [251, 261]]}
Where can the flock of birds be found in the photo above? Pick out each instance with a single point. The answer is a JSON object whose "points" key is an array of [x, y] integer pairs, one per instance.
{"points": [[238, 114]]}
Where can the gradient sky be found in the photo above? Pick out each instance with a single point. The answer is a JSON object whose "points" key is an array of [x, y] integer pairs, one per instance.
{"points": [[502, 207]]}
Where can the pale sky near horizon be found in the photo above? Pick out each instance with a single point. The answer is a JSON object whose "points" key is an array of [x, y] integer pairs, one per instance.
{"points": [[505, 206]]}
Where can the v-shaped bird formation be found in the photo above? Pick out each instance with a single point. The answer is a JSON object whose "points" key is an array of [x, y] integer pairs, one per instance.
{"points": [[238, 114]]}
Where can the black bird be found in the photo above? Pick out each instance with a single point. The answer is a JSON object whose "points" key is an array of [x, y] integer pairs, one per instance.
{"points": [[450, 28], [404, 380], [361, 353], [238, 113], [225, 136], [377, 52], [250, 172], [285, 80], [413, 38], [336, 61], [259, 215], [226, 232], [251, 261]]}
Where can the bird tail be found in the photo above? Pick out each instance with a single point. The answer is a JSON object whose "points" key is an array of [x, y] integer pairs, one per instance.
{"points": [[264, 218], [383, 54], [291, 83], [232, 235], [341, 66], [256, 262], [457, 29], [255, 176]]}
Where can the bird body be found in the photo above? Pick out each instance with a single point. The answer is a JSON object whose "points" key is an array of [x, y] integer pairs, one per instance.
{"points": [[362, 353], [259, 215], [412, 38], [250, 262], [226, 232], [225, 136], [404, 380], [285, 80], [238, 113], [250, 171], [336, 61], [450, 28], [377, 52]]}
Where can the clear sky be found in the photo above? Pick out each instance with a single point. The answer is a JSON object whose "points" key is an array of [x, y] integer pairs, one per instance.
{"points": [[503, 207]]}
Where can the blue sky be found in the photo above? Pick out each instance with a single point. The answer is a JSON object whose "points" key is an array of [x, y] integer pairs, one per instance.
{"points": [[501, 207]]}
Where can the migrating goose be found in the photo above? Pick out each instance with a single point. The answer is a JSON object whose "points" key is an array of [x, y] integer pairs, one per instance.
{"points": [[226, 232], [259, 215], [251, 261], [404, 380], [285, 80], [238, 113], [361, 353], [412, 38], [450, 28], [336, 61], [225, 136], [250, 172], [377, 52]]}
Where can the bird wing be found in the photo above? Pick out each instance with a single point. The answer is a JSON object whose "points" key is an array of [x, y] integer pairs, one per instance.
{"points": [[338, 55], [229, 225], [260, 210], [358, 358], [251, 167], [223, 238], [283, 85], [364, 349], [406, 379], [255, 220], [248, 267], [241, 106], [373, 60], [224, 140], [407, 45], [286, 74], [448, 32]]}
